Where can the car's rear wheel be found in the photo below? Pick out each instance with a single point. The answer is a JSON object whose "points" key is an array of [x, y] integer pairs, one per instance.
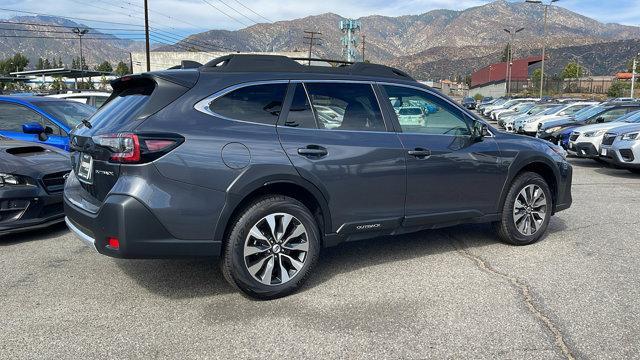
{"points": [[271, 248], [526, 211]]}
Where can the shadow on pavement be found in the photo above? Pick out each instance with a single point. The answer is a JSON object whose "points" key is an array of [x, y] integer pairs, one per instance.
{"points": [[47, 233]]}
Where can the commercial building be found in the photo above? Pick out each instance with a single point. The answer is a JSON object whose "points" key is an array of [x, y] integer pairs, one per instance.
{"points": [[492, 80]]}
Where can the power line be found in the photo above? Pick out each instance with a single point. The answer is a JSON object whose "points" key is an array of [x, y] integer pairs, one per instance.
{"points": [[238, 12], [161, 14], [246, 7], [229, 16], [61, 32], [63, 26], [54, 37], [69, 17]]}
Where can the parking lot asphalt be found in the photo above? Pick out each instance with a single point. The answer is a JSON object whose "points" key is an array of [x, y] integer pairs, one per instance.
{"points": [[451, 293]]}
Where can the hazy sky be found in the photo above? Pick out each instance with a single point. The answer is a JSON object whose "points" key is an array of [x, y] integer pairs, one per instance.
{"points": [[189, 16]]}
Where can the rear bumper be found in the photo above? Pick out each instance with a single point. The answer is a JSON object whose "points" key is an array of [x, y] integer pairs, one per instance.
{"points": [[28, 208], [139, 232]]}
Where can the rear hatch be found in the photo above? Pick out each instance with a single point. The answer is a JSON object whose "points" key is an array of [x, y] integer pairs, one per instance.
{"points": [[107, 141]]}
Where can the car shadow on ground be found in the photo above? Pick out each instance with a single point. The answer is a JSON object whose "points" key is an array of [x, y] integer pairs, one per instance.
{"points": [[47, 233], [189, 278]]}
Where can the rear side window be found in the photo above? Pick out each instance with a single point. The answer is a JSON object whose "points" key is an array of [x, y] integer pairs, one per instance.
{"points": [[13, 116], [345, 106], [257, 103], [300, 113]]}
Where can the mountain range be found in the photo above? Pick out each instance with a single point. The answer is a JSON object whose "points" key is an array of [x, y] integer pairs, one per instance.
{"points": [[432, 45]]}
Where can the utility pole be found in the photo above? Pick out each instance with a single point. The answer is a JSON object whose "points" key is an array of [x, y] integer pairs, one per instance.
{"points": [[146, 34], [311, 37], [633, 74], [349, 40], [80, 34], [363, 44], [544, 37]]}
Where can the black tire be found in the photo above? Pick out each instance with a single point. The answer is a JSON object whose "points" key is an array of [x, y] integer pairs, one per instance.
{"points": [[635, 171], [234, 268], [506, 227]]}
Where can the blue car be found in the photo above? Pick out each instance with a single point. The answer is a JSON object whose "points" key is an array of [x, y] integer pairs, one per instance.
{"points": [[41, 119]]}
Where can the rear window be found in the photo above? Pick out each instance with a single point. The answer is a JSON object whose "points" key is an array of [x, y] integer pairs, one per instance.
{"points": [[120, 110], [409, 111], [257, 103], [70, 113]]}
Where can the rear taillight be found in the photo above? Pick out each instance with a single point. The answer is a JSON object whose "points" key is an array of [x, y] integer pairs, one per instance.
{"points": [[132, 148]]}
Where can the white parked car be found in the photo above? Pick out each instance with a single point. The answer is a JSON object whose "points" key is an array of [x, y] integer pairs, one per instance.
{"points": [[93, 98], [586, 141], [621, 146], [531, 126], [412, 116]]}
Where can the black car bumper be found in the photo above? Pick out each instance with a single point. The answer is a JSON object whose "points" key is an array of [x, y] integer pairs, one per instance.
{"points": [[24, 208], [139, 233], [564, 197], [587, 150]]}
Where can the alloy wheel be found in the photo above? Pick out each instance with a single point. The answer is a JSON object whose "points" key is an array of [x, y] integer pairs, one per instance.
{"points": [[276, 249], [530, 209]]}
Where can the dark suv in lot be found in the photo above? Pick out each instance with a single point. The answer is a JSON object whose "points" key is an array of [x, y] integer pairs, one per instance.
{"points": [[263, 161]]}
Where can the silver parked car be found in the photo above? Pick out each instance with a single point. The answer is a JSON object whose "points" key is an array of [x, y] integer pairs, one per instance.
{"points": [[621, 146]]}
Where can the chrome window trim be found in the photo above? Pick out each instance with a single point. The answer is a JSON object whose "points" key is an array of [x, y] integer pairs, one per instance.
{"points": [[439, 97], [203, 105]]}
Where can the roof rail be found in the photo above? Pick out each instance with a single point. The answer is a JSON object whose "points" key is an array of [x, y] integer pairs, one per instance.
{"points": [[186, 64], [279, 63]]}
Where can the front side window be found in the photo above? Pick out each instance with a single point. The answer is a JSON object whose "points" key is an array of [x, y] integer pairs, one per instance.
{"points": [[256, 103], [420, 112], [345, 106], [13, 116]]}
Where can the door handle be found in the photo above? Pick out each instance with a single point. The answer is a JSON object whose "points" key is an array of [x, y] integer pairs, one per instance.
{"points": [[313, 150], [419, 152]]}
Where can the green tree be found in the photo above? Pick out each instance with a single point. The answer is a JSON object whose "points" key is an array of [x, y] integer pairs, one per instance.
{"points": [[73, 63], [572, 70], [122, 69], [478, 96], [105, 66], [630, 66], [505, 53], [535, 77], [618, 88], [46, 64], [16, 63], [40, 64], [58, 84]]}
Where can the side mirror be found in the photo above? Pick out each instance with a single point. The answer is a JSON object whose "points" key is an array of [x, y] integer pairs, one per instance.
{"points": [[480, 130], [32, 128]]}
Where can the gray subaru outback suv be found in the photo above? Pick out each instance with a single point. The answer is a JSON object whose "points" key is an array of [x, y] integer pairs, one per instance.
{"points": [[263, 161]]}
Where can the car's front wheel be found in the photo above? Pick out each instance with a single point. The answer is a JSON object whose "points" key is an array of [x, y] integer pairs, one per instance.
{"points": [[271, 248], [526, 211]]}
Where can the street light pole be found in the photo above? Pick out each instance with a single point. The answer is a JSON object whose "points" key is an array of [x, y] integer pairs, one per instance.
{"points": [[81, 33], [633, 74], [544, 37], [512, 35]]}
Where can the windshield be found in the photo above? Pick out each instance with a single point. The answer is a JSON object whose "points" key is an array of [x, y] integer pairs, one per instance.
{"points": [[70, 113], [584, 115], [524, 107], [470, 99], [631, 117], [410, 111]]}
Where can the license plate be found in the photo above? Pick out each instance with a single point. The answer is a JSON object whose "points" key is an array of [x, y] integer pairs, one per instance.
{"points": [[85, 169], [603, 152]]}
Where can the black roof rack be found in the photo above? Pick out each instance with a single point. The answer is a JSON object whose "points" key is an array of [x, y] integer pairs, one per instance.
{"points": [[278, 63]]}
